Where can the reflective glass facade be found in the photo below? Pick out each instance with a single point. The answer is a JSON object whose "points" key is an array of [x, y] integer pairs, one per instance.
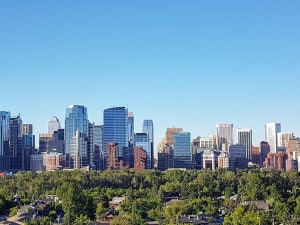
{"points": [[4, 140], [142, 140], [76, 136], [130, 126], [115, 129], [148, 128], [182, 150]]}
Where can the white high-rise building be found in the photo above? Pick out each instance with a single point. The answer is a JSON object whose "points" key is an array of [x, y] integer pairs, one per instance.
{"points": [[244, 137], [283, 138], [224, 134], [271, 131], [53, 125]]}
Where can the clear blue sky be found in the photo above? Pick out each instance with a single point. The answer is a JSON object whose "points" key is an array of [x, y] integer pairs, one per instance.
{"points": [[189, 64]]}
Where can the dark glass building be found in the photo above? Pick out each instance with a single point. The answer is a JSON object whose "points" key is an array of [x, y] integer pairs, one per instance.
{"points": [[182, 150], [4, 140], [15, 143]]}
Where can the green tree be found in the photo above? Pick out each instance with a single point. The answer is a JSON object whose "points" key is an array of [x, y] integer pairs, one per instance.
{"points": [[126, 219], [82, 220], [100, 211]]}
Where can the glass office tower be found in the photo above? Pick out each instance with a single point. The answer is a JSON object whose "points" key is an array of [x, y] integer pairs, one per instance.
{"points": [[148, 128], [142, 140], [76, 136], [115, 129], [15, 143], [4, 140], [182, 150]]}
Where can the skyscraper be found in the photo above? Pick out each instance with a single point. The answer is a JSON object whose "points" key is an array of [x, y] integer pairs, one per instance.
{"points": [[142, 140], [95, 146], [15, 143], [53, 125], [182, 150], [170, 134], [131, 139], [27, 129], [4, 140], [224, 134], [130, 126], [283, 138], [271, 131], [115, 129], [28, 148], [76, 136], [264, 150], [148, 128], [244, 137]]}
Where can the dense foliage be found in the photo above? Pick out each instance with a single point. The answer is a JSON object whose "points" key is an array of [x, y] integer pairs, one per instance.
{"points": [[85, 196]]}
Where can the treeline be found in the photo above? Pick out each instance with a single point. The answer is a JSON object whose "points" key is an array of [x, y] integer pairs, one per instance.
{"points": [[85, 195]]}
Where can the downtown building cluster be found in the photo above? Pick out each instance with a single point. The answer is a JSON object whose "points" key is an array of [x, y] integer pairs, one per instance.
{"points": [[80, 145], [279, 150], [116, 145]]}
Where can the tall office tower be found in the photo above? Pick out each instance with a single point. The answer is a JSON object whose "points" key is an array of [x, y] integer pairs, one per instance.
{"points": [[264, 150], [182, 150], [238, 153], [283, 138], [271, 131], [4, 140], [130, 127], [165, 157], [52, 142], [224, 134], [98, 154], [244, 137], [95, 146], [53, 125], [131, 139], [148, 128], [76, 136], [115, 129], [170, 134], [15, 143], [28, 148], [142, 140], [27, 129]]}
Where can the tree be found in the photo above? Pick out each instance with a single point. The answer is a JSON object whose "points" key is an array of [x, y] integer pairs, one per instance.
{"points": [[125, 219], [82, 220], [100, 211]]}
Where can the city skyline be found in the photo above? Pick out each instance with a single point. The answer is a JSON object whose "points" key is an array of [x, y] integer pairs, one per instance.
{"points": [[191, 65]]}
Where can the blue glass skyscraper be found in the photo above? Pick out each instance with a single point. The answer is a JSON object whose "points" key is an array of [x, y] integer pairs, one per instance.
{"points": [[130, 126], [142, 140], [4, 140], [76, 136], [182, 150], [148, 128], [115, 129]]}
